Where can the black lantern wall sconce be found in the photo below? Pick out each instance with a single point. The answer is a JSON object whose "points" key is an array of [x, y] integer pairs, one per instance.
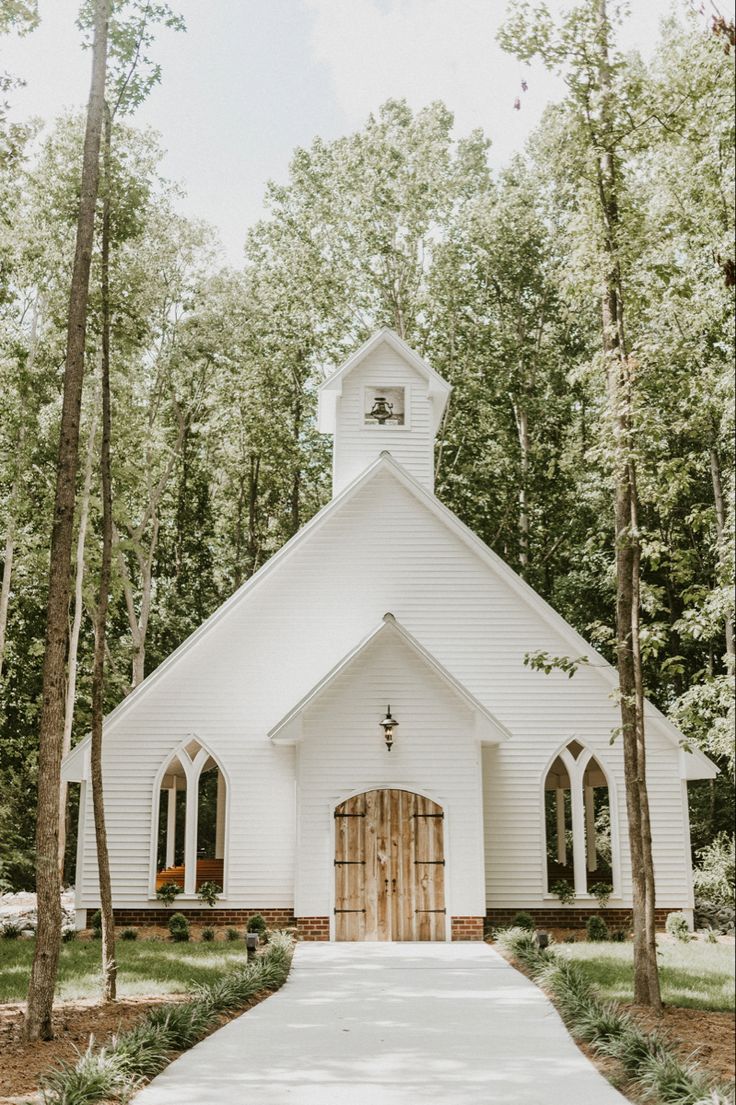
{"points": [[388, 724]]}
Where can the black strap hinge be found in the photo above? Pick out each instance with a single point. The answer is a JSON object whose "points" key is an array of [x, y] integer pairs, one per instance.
{"points": [[349, 911]]}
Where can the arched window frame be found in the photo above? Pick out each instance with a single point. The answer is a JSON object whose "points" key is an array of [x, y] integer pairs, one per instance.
{"points": [[192, 770], [576, 771]]}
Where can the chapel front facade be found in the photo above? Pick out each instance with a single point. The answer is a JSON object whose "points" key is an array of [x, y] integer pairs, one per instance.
{"points": [[352, 743]]}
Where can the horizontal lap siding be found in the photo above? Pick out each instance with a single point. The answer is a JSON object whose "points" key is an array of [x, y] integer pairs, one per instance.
{"points": [[357, 446], [435, 752], [382, 551]]}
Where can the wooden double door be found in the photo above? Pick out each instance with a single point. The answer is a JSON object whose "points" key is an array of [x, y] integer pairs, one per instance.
{"points": [[389, 867]]}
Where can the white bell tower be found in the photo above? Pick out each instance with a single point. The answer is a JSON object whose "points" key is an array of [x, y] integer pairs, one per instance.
{"points": [[385, 398]]}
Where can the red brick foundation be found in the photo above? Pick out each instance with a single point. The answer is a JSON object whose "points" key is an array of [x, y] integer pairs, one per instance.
{"points": [[571, 917], [274, 918], [467, 928], [313, 928]]}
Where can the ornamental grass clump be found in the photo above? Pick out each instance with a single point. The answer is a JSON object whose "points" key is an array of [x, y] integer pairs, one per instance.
{"points": [[647, 1058], [96, 1076], [118, 1070]]}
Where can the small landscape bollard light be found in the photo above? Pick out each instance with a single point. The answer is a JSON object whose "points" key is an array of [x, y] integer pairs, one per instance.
{"points": [[542, 940], [251, 944]]}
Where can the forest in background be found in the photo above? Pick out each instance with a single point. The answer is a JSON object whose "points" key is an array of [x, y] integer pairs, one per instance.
{"points": [[494, 277]]}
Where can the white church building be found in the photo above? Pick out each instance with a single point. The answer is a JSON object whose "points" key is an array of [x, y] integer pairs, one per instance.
{"points": [[353, 744]]}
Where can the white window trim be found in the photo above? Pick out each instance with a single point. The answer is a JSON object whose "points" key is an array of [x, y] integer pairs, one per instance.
{"points": [[193, 771], [576, 771], [392, 429]]}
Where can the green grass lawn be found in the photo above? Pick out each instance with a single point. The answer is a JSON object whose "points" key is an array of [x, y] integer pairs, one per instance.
{"points": [[145, 967], [694, 975]]}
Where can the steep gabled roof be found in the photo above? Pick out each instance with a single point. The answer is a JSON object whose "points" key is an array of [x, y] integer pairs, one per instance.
{"points": [[488, 728], [694, 765], [331, 389]]}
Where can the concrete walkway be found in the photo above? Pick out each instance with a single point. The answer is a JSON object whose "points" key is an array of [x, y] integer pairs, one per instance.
{"points": [[390, 1024]]}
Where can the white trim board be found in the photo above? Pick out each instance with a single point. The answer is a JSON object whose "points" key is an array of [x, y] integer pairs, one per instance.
{"points": [[694, 765], [489, 729]]}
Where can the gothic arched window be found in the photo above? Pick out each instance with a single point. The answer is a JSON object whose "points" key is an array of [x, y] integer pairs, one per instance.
{"points": [[190, 820], [578, 819]]}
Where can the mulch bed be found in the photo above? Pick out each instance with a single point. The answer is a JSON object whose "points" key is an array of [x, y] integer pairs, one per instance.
{"points": [[74, 1023], [702, 1036]]}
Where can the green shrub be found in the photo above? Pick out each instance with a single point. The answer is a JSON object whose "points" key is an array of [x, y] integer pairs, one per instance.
{"points": [[10, 931], [209, 892], [129, 934], [168, 892], [208, 934], [68, 935], [711, 936], [596, 928], [602, 891], [677, 926], [95, 921], [618, 936], [522, 920], [563, 891], [256, 923], [178, 927], [715, 874], [232, 934]]}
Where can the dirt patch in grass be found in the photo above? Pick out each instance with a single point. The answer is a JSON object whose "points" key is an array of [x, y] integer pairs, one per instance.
{"points": [[74, 1023], [706, 1037]]}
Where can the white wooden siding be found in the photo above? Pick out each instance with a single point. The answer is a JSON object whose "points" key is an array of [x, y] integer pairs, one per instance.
{"points": [[356, 445], [381, 550], [435, 752]]}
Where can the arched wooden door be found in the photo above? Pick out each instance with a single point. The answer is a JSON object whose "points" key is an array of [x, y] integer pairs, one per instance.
{"points": [[389, 867]]}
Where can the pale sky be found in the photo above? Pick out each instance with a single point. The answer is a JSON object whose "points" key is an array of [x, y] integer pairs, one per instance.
{"points": [[252, 79]]}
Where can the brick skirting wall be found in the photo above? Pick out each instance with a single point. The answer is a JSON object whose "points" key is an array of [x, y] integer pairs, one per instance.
{"points": [[467, 928], [571, 917], [313, 928], [274, 918]]}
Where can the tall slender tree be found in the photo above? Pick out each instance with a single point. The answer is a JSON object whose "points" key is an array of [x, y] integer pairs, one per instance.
{"points": [[598, 112], [48, 885]]}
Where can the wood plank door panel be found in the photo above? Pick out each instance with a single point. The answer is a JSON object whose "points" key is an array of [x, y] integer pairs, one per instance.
{"points": [[349, 870], [389, 867]]}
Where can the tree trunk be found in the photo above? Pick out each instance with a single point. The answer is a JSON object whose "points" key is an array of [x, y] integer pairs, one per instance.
{"points": [[522, 428], [109, 965], [296, 480], [255, 468], [9, 552], [48, 886], [7, 572], [71, 679], [631, 693], [715, 471]]}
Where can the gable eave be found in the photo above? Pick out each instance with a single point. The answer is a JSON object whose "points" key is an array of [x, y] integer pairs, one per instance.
{"points": [[241, 595], [288, 729], [330, 389], [698, 765]]}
